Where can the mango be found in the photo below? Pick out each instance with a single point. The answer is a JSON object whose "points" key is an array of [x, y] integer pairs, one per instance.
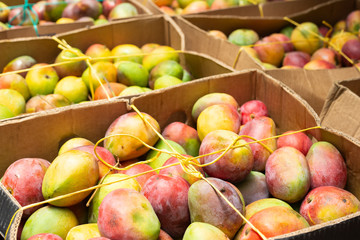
{"points": [[184, 135], [71, 171], [203, 231], [49, 219], [253, 187], [273, 221], [126, 147], [305, 37], [134, 218], [327, 203], [169, 198], [327, 166], [158, 55], [23, 179], [105, 190], [83, 232], [287, 174], [234, 165], [163, 157], [206, 206], [227, 118], [260, 128], [212, 99], [261, 204]]}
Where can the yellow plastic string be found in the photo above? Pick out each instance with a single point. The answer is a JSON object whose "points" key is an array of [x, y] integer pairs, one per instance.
{"points": [[319, 36], [324, 39], [261, 10], [82, 191], [266, 44], [43, 99], [100, 182], [63, 45], [82, 57], [237, 57], [330, 29], [235, 209], [153, 128]]}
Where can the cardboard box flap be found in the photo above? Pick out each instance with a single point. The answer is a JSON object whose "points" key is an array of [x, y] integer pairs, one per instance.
{"points": [[149, 4], [330, 11], [202, 65], [339, 110], [128, 31], [227, 24], [280, 8], [11, 49], [352, 84], [43, 30], [313, 85], [270, 9]]}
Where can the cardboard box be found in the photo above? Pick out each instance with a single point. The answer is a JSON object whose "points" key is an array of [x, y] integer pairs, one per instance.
{"points": [[312, 85], [277, 8], [340, 109], [42, 135], [156, 29], [50, 30]]}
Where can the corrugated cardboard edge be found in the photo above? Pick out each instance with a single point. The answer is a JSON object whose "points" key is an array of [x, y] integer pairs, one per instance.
{"points": [[149, 4], [340, 110], [335, 91], [215, 60], [337, 9], [167, 21], [177, 29], [269, 8], [10, 207], [313, 85], [276, 8], [43, 30], [138, 5], [338, 227]]}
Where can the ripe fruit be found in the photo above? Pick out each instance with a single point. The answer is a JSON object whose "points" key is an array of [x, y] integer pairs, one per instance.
{"points": [[41, 79], [327, 203]]}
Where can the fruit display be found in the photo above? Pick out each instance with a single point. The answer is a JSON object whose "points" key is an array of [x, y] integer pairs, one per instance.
{"points": [[305, 45], [98, 70], [229, 7], [46, 87], [166, 201], [47, 12]]}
